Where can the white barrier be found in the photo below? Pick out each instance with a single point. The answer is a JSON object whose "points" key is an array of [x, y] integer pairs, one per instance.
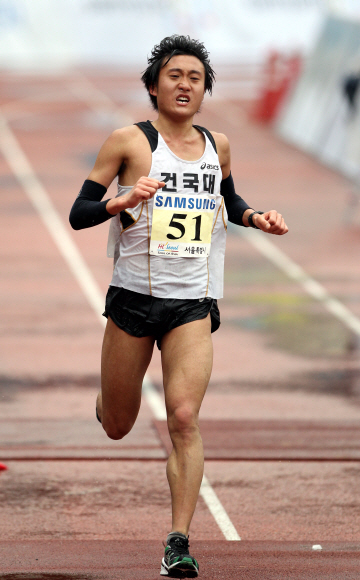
{"points": [[317, 116]]}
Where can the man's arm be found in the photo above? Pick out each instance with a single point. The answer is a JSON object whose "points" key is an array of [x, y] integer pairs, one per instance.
{"points": [[238, 210], [88, 210]]}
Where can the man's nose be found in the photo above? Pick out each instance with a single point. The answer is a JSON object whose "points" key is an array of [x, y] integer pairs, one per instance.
{"points": [[184, 84]]}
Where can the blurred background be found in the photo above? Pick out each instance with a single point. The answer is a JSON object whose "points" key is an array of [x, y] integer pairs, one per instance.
{"points": [[288, 73], [256, 45], [283, 406], [48, 33]]}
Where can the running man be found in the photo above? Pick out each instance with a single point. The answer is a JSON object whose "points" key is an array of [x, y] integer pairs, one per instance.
{"points": [[168, 230]]}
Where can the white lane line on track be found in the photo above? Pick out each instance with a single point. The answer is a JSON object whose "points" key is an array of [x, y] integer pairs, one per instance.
{"points": [[296, 273], [25, 174], [282, 260], [216, 509], [38, 196]]}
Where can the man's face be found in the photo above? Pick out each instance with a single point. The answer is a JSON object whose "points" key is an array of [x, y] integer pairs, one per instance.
{"points": [[181, 86]]}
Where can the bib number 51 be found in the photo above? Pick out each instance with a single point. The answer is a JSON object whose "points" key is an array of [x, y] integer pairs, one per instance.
{"points": [[178, 225]]}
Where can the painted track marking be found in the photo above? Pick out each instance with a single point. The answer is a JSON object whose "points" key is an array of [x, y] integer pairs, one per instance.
{"points": [[270, 251], [296, 273], [38, 196], [22, 169]]}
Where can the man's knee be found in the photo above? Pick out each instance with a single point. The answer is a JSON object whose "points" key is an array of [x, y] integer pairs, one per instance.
{"points": [[183, 422]]}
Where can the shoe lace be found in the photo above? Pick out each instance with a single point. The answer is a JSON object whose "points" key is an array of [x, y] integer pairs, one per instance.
{"points": [[179, 546]]}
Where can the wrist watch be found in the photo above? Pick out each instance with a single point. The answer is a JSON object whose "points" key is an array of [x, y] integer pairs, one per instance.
{"points": [[250, 219]]}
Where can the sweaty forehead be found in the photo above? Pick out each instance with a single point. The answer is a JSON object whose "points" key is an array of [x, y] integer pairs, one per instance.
{"points": [[185, 62]]}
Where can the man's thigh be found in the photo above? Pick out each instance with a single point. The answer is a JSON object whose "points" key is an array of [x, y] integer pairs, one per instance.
{"points": [[124, 362], [187, 356]]}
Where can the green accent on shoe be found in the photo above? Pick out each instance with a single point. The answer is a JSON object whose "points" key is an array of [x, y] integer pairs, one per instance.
{"points": [[177, 562]]}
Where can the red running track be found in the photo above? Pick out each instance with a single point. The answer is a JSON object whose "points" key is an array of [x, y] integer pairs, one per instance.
{"points": [[281, 415]]}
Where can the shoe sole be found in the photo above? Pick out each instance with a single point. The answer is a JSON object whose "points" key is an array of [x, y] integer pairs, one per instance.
{"points": [[178, 572]]}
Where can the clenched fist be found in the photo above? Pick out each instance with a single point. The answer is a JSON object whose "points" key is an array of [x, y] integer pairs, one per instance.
{"points": [[270, 222], [144, 189]]}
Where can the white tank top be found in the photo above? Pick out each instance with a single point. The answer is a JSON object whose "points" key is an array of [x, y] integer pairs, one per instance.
{"points": [[170, 276]]}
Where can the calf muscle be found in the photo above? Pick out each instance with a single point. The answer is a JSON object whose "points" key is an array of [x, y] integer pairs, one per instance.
{"points": [[124, 362]]}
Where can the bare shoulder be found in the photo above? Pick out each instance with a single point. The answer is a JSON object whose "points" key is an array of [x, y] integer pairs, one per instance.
{"points": [[121, 143], [124, 136], [223, 148], [117, 149], [129, 132], [220, 139]]}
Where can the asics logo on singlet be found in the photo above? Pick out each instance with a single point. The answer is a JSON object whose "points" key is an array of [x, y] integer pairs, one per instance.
{"points": [[208, 166]]}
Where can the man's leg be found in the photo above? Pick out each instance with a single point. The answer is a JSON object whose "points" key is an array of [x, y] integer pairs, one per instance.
{"points": [[124, 361], [187, 355]]}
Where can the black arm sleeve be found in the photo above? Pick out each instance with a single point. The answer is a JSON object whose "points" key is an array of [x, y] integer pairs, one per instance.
{"points": [[235, 205], [88, 209]]}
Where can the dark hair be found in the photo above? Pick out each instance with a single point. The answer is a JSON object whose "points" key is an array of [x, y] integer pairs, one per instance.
{"points": [[169, 47]]}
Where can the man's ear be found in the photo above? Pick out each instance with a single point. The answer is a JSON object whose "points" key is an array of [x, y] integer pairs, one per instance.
{"points": [[153, 91]]}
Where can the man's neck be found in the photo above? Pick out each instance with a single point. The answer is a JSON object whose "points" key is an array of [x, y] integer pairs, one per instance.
{"points": [[174, 128]]}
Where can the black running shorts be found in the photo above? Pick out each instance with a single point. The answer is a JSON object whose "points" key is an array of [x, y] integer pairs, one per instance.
{"points": [[142, 315]]}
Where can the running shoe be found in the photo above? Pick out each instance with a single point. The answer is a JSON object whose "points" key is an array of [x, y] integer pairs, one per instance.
{"points": [[177, 562]]}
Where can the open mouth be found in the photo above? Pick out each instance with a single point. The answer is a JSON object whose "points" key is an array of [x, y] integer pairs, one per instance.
{"points": [[182, 99]]}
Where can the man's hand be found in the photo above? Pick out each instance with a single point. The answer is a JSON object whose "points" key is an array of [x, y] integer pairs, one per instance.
{"points": [[270, 222], [144, 189]]}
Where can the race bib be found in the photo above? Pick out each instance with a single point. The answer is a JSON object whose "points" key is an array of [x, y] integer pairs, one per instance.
{"points": [[182, 225]]}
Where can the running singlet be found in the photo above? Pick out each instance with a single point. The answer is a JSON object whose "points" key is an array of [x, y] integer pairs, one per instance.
{"points": [[173, 245]]}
